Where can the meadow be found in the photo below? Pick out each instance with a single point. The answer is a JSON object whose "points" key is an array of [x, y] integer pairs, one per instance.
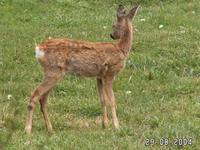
{"points": [[157, 94]]}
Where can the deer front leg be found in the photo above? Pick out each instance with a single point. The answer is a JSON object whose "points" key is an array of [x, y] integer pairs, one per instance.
{"points": [[109, 92], [103, 102], [45, 86], [43, 105]]}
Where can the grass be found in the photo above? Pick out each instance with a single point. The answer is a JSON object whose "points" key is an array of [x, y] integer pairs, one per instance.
{"points": [[157, 93]]}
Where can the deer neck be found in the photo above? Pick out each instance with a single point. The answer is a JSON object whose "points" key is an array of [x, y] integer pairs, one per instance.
{"points": [[125, 41]]}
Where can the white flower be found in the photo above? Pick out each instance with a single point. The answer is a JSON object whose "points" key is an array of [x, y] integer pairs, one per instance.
{"points": [[182, 31], [104, 27], [27, 143], [193, 12], [161, 26], [9, 96], [142, 20], [128, 92]]}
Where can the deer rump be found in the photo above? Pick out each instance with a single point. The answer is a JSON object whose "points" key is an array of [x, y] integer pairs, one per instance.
{"points": [[80, 58]]}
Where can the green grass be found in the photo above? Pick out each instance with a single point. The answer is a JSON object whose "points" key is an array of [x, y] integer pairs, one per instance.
{"points": [[162, 73]]}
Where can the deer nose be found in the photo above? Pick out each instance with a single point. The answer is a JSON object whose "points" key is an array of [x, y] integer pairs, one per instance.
{"points": [[112, 36]]}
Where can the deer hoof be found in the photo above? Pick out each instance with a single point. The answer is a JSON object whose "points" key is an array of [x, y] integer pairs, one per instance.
{"points": [[116, 125], [28, 130]]}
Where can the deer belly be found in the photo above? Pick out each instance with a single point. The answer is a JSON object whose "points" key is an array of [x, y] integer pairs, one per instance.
{"points": [[82, 67]]}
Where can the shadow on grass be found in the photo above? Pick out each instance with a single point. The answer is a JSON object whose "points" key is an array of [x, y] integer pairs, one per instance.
{"points": [[79, 119], [89, 112]]}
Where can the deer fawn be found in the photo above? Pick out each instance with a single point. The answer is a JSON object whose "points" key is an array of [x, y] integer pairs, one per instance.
{"points": [[101, 60]]}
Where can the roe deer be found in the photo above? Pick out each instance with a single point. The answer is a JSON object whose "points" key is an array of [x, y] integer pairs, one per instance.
{"points": [[101, 60]]}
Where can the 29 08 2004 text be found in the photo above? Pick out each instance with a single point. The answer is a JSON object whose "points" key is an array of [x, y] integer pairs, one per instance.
{"points": [[168, 141]]}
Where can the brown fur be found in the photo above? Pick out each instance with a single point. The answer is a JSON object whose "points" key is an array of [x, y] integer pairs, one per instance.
{"points": [[82, 58], [100, 60]]}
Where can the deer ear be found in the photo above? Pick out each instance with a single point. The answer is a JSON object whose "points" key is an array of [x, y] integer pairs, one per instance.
{"points": [[121, 12], [133, 12]]}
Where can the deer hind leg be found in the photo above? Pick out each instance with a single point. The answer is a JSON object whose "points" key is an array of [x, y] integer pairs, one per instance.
{"points": [[43, 106], [109, 92], [103, 102], [44, 87]]}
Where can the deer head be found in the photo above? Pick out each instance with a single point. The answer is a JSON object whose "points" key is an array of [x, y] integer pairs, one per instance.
{"points": [[120, 25]]}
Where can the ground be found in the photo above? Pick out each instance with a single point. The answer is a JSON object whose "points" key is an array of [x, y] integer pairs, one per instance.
{"points": [[157, 95]]}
